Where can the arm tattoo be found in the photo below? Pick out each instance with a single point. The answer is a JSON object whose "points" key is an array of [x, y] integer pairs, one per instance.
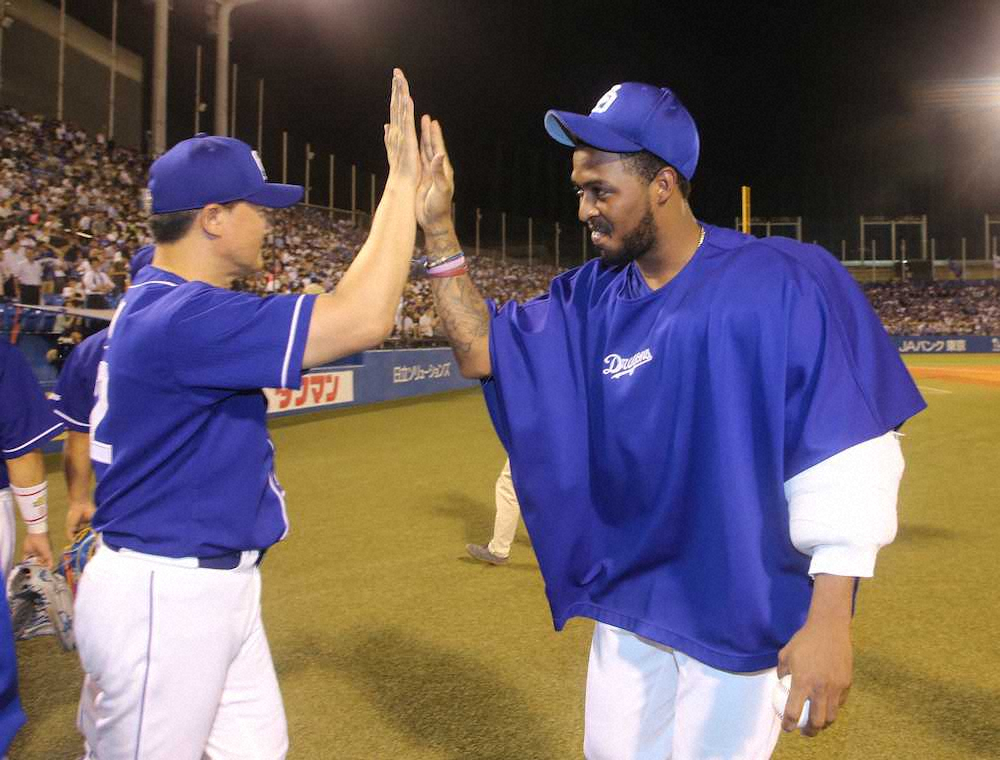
{"points": [[463, 311]]}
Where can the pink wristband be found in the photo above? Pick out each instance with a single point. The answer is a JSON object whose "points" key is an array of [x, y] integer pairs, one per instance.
{"points": [[449, 268]]}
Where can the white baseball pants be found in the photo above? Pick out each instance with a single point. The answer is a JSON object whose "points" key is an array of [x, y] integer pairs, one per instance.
{"points": [[176, 660], [646, 701], [508, 513]]}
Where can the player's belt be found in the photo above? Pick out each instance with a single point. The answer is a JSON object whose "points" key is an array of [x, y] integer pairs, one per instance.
{"points": [[228, 561]]}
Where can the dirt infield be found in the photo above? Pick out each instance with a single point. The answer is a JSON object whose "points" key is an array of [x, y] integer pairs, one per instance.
{"points": [[975, 375]]}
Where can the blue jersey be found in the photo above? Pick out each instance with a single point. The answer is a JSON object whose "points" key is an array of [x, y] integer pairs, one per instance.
{"points": [[650, 435], [141, 259], [74, 395], [184, 463], [26, 421], [11, 714]]}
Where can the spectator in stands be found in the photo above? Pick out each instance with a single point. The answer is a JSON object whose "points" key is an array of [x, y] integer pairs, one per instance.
{"points": [[97, 285], [426, 324], [65, 322], [11, 262], [67, 341], [119, 275], [29, 278]]}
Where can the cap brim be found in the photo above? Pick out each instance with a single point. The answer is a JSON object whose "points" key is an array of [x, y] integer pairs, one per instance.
{"points": [[276, 195], [573, 129]]}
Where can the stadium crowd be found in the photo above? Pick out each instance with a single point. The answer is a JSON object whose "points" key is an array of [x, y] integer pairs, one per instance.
{"points": [[937, 308], [72, 213]]}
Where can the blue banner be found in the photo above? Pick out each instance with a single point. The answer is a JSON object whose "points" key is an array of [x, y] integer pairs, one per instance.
{"points": [[376, 376], [947, 344]]}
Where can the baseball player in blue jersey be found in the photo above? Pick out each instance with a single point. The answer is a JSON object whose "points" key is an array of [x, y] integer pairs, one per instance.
{"points": [[701, 430], [72, 401], [26, 422], [167, 612]]}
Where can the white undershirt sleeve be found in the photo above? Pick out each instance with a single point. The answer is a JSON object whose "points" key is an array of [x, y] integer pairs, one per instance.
{"points": [[843, 510]]}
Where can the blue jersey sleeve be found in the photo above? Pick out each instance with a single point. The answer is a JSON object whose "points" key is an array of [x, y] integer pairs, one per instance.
{"points": [[845, 381], [74, 395], [226, 339], [26, 420]]}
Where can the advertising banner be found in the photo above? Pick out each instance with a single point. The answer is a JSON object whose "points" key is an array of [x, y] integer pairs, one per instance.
{"points": [[947, 344], [319, 389]]}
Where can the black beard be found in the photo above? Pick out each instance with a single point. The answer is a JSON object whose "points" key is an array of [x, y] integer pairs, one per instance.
{"points": [[639, 241]]}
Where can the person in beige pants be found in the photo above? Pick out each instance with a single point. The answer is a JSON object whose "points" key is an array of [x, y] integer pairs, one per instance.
{"points": [[497, 551]]}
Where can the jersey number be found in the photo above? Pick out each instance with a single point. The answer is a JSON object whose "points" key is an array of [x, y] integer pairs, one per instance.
{"points": [[100, 451]]}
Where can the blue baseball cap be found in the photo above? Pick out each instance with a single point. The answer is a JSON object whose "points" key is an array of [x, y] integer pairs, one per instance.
{"points": [[631, 117], [210, 169]]}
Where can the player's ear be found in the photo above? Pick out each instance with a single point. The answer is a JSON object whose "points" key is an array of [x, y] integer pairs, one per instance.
{"points": [[211, 219], [665, 185]]}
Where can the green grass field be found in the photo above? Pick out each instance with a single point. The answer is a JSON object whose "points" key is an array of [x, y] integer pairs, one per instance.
{"points": [[390, 643]]}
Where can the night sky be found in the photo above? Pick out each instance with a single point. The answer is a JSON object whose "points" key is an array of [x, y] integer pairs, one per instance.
{"points": [[827, 109]]}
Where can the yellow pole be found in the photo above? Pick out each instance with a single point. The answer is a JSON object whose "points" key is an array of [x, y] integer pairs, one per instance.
{"points": [[745, 192]]}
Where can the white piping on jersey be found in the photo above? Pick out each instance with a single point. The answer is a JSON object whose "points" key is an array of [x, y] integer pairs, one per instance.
{"points": [[25, 445], [100, 451], [153, 282], [291, 342], [70, 419], [272, 481]]}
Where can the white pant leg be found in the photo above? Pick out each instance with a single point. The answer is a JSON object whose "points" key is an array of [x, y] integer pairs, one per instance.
{"points": [[631, 687], [646, 701], [723, 715], [157, 642], [8, 532], [250, 723], [508, 513]]}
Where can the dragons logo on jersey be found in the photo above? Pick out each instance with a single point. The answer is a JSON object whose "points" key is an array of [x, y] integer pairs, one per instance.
{"points": [[618, 366]]}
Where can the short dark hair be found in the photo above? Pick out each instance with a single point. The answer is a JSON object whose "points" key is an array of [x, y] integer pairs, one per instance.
{"points": [[169, 228], [646, 166]]}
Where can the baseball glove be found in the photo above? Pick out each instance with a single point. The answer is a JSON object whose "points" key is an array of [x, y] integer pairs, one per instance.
{"points": [[40, 604], [76, 555]]}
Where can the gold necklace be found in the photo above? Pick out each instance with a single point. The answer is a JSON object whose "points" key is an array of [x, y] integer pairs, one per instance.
{"points": [[701, 238]]}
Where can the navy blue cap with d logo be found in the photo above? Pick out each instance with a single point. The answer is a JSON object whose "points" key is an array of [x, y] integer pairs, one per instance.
{"points": [[631, 117], [210, 169]]}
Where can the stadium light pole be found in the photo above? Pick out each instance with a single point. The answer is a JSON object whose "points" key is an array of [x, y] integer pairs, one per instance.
{"points": [[284, 157], [558, 230], [61, 86], [308, 183], [260, 117], [5, 23], [223, 34], [114, 70], [330, 188], [160, 28], [199, 106], [232, 104]]}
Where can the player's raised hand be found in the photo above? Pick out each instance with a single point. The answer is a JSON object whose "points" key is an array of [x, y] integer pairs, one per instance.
{"points": [[37, 545], [401, 144], [437, 180]]}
